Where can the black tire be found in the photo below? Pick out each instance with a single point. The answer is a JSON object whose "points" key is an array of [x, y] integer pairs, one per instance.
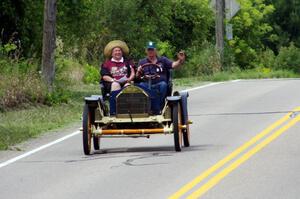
{"points": [[96, 142], [176, 119], [186, 136], [86, 130]]}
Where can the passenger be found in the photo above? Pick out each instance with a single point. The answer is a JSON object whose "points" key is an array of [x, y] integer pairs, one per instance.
{"points": [[161, 82], [116, 71]]}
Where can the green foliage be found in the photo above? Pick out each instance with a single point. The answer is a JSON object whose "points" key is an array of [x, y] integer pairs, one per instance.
{"points": [[165, 49], [201, 61], [288, 58], [250, 31], [176, 24], [192, 23], [57, 96], [266, 59], [91, 74], [23, 19], [20, 85], [7, 48], [285, 20]]}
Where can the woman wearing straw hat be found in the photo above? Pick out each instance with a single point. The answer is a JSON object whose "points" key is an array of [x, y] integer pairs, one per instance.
{"points": [[116, 71]]}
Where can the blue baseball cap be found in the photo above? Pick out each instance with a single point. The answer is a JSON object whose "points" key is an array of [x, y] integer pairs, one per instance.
{"points": [[151, 45]]}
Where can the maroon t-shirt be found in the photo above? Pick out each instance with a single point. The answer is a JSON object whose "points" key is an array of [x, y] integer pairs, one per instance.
{"points": [[116, 70]]}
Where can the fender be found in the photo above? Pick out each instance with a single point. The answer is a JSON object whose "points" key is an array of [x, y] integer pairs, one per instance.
{"points": [[173, 99], [183, 102], [93, 101]]}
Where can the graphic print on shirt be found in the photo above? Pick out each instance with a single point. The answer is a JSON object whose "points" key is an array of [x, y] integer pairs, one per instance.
{"points": [[119, 72]]}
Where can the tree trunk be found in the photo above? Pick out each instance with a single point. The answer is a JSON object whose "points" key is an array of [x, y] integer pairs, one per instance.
{"points": [[49, 38]]}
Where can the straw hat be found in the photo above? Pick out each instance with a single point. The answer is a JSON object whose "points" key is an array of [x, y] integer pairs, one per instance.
{"points": [[113, 44]]}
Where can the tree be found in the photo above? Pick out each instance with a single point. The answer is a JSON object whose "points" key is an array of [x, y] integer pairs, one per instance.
{"points": [[251, 30], [49, 38], [285, 20]]}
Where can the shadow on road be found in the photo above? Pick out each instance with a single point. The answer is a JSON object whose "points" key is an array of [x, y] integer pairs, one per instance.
{"points": [[131, 154], [151, 149]]}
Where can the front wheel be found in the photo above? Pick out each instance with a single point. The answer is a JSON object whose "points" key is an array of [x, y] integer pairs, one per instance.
{"points": [[87, 130], [176, 117]]}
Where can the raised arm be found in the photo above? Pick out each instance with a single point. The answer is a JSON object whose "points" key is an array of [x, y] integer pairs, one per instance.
{"points": [[180, 60]]}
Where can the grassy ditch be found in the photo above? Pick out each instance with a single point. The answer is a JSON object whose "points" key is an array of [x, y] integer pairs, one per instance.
{"points": [[19, 125]]}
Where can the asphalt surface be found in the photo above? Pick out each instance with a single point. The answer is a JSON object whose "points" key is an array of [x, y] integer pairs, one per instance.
{"points": [[225, 117]]}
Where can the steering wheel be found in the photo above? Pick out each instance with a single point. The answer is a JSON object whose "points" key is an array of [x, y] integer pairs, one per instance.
{"points": [[150, 71]]}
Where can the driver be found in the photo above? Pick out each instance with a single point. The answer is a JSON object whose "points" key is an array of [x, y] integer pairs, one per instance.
{"points": [[160, 82], [116, 71]]}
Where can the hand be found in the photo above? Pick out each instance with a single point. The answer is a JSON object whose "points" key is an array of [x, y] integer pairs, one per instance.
{"points": [[181, 56], [122, 80], [139, 69]]}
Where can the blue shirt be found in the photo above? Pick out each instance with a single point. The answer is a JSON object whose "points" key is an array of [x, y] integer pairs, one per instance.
{"points": [[164, 63]]}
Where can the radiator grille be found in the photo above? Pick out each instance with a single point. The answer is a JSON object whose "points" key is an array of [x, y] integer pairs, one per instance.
{"points": [[133, 103]]}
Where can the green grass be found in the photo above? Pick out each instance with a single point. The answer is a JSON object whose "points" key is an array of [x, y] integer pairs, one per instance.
{"points": [[19, 125], [225, 76], [252, 74]]}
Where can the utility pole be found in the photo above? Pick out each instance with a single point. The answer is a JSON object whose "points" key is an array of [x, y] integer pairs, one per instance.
{"points": [[49, 38], [220, 16]]}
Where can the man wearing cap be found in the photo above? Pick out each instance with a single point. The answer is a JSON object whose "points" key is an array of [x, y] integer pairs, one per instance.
{"points": [[161, 82], [116, 71]]}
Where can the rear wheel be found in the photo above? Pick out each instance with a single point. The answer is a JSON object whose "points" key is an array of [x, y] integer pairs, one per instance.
{"points": [[186, 135], [176, 117], [96, 142], [87, 130]]}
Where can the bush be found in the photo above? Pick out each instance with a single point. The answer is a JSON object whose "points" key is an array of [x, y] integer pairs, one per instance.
{"points": [[229, 62], [19, 90], [288, 58], [20, 84], [266, 59], [91, 74], [57, 96], [251, 30], [68, 71], [200, 61]]}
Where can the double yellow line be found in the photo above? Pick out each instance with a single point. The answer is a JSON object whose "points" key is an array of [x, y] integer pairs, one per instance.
{"points": [[223, 173]]}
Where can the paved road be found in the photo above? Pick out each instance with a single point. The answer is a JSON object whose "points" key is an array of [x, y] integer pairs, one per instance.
{"points": [[225, 116]]}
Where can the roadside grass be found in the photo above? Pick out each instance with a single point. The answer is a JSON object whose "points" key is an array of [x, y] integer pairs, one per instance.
{"points": [[263, 73], [19, 125], [182, 83]]}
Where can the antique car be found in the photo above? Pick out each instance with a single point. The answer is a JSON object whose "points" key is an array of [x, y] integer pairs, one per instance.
{"points": [[129, 113]]}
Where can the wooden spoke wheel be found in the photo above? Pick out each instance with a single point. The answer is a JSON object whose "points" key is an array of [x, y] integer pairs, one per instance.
{"points": [[87, 130], [177, 122]]}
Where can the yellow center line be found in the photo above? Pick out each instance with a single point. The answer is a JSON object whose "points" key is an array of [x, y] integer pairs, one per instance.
{"points": [[222, 174], [231, 156]]}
